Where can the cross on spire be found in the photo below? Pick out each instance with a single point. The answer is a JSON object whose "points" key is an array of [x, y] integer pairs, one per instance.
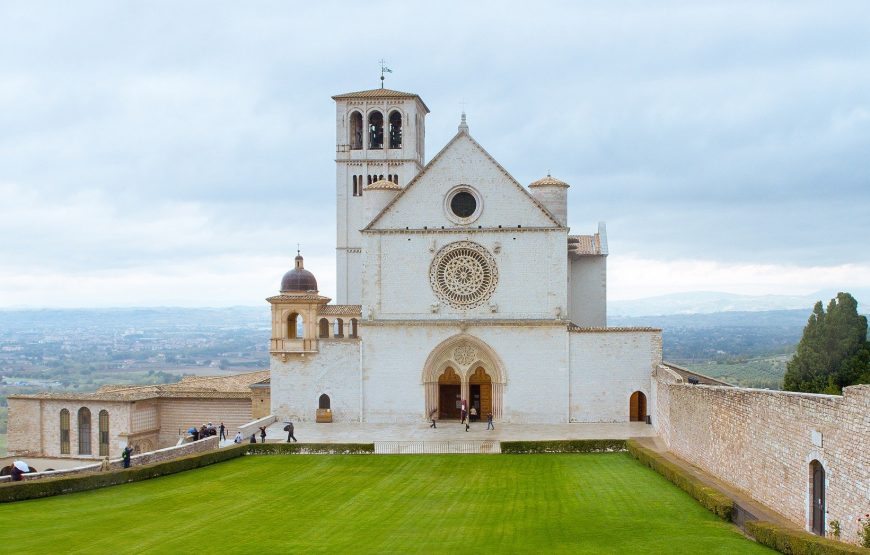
{"points": [[384, 69]]}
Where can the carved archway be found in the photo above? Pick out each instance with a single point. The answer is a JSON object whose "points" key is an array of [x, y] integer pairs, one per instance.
{"points": [[475, 363]]}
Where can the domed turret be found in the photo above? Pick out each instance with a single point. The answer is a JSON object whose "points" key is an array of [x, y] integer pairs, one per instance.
{"points": [[553, 194], [298, 280]]}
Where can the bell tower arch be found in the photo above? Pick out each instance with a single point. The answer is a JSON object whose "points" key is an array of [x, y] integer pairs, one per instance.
{"points": [[379, 136]]}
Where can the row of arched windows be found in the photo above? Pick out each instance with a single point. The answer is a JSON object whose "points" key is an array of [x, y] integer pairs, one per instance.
{"points": [[84, 432], [338, 328], [295, 327], [375, 130], [357, 181]]}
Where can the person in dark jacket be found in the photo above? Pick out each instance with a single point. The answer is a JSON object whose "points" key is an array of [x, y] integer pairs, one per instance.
{"points": [[17, 474], [223, 430], [262, 434], [254, 437], [289, 429], [125, 456]]}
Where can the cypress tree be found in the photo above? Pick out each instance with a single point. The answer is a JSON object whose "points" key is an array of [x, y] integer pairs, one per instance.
{"points": [[833, 351]]}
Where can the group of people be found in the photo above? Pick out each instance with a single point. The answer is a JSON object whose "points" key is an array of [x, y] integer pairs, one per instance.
{"points": [[207, 430], [466, 417]]}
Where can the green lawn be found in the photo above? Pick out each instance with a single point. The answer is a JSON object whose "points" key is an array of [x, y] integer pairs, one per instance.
{"points": [[475, 504]]}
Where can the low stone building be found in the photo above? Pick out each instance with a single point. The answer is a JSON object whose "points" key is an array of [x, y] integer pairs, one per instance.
{"points": [[148, 417]]}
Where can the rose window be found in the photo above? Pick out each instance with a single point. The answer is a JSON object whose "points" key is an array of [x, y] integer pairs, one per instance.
{"points": [[463, 274]]}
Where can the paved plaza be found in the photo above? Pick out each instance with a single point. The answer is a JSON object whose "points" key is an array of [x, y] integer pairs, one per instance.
{"points": [[452, 430]]}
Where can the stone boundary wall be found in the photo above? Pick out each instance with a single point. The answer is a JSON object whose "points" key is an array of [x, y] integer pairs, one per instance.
{"points": [[762, 442], [160, 455], [253, 427]]}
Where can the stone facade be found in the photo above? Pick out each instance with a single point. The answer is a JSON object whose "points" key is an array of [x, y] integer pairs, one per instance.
{"points": [[146, 417], [763, 442], [453, 257]]}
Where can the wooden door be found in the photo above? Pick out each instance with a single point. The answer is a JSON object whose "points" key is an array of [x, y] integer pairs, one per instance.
{"points": [[818, 498]]}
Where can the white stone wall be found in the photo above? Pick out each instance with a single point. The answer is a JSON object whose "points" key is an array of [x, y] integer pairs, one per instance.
{"points": [[606, 368], [534, 360], [296, 385], [763, 442], [532, 269], [587, 291], [464, 163]]}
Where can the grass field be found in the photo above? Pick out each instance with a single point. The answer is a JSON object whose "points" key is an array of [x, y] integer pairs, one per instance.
{"points": [[475, 504]]}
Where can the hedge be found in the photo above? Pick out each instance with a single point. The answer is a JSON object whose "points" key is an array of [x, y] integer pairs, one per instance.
{"points": [[46, 487], [715, 501], [309, 448], [564, 446], [797, 542]]}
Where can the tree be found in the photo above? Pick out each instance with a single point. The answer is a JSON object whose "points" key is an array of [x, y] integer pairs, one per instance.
{"points": [[833, 351]]}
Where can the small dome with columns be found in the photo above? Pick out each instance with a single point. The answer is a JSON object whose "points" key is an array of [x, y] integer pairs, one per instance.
{"points": [[298, 280]]}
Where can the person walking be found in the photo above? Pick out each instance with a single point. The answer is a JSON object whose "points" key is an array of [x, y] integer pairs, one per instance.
{"points": [[489, 425], [432, 418], [466, 424], [125, 456], [262, 434], [223, 430], [289, 429]]}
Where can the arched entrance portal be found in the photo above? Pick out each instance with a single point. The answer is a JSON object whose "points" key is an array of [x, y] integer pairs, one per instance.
{"points": [[817, 499], [463, 368], [637, 407]]}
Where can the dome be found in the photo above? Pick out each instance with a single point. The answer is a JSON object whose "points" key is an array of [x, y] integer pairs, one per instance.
{"points": [[549, 181], [298, 280]]}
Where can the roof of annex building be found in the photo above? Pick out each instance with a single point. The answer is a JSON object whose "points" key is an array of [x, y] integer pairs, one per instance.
{"points": [[210, 387], [585, 245]]}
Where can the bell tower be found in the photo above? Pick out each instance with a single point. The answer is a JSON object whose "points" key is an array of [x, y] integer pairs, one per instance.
{"points": [[379, 135]]}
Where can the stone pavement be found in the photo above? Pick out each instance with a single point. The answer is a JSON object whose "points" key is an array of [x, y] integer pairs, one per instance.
{"points": [[450, 430]]}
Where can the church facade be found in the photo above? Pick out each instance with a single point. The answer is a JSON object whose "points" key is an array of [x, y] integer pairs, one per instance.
{"points": [[456, 286]]}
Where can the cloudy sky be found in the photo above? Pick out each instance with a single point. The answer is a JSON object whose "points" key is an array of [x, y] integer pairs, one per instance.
{"points": [[174, 153]]}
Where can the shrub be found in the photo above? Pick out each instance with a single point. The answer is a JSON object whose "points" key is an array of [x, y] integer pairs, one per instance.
{"points": [[564, 446], [797, 542], [715, 501]]}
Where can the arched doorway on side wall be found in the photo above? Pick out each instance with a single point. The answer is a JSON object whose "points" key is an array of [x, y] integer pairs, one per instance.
{"points": [[449, 394], [817, 498], [637, 407]]}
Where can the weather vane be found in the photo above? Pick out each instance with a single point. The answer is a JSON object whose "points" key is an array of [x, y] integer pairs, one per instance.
{"points": [[298, 250], [384, 69]]}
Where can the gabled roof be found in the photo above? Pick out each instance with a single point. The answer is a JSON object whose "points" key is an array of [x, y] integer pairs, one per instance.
{"points": [[433, 161], [381, 93]]}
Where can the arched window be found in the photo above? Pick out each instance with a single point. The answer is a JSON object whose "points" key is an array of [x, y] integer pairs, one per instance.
{"points": [[295, 326], [324, 328], [339, 327], [353, 325], [376, 130], [323, 402], [64, 432], [355, 187], [84, 431], [396, 178], [104, 433], [637, 407], [395, 129], [356, 130], [370, 179]]}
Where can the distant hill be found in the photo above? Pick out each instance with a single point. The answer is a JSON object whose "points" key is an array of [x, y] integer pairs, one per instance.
{"points": [[702, 302]]}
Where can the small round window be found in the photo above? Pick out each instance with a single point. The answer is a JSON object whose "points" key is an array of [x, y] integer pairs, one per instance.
{"points": [[463, 204]]}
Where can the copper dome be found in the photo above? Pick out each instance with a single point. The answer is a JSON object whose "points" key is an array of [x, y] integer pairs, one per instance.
{"points": [[298, 280]]}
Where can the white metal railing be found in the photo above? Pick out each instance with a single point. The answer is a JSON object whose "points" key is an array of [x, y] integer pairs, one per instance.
{"points": [[437, 447]]}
